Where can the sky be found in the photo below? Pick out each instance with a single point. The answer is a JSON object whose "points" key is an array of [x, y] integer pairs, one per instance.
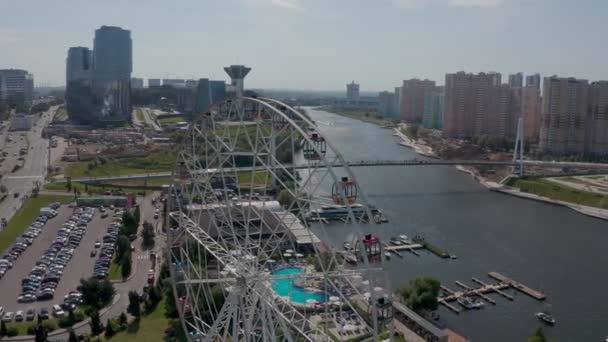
{"points": [[316, 44]]}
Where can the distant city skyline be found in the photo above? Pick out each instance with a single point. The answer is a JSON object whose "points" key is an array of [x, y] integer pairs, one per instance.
{"points": [[321, 45]]}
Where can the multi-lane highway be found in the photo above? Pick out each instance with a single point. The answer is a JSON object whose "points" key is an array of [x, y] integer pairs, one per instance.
{"points": [[33, 166]]}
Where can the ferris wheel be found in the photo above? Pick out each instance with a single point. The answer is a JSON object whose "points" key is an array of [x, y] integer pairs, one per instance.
{"points": [[255, 207]]}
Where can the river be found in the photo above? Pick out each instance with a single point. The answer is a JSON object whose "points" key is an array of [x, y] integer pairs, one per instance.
{"points": [[549, 248]]}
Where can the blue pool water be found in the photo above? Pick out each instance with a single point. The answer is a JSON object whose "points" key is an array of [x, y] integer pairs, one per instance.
{"points": [[286, 288]]}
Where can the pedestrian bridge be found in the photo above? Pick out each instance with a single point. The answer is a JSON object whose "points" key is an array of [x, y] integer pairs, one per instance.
{"points": [[369, 163]]}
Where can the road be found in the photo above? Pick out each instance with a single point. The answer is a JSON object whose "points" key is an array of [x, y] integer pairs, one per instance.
{"points": [[33, 169], [150, 120]]}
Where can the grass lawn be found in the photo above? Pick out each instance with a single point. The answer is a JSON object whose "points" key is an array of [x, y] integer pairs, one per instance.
{"points": [[60, 115], [581, 181], [154, 162], [171, 120], [140, 115], [115, 272], [545, 188], [26, 215], [150, 328], [260, 178]]}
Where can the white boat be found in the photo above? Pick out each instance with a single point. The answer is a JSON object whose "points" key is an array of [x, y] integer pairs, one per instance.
{"points": [[453, 256], [545, 317], [478, 303], [466, 302], [347, 246], [396, 242], [404, 238], [387, 255]]}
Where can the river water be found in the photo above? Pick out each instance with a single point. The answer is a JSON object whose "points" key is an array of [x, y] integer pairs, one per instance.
{"points": [[552, 249]]}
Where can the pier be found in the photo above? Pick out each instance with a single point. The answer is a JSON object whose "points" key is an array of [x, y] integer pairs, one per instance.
{"points": [[484, 289], [518, 286], [410, 248]]}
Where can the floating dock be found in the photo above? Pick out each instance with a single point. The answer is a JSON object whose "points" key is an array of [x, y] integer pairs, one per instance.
{"points": [[518, 286], [410, 248], [484, 289]]}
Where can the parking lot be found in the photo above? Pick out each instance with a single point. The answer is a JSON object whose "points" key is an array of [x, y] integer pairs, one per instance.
{"points": [[79, 266]]}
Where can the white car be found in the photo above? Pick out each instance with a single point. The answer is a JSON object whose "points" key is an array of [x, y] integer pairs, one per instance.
{"points": [[58, 311], [8, 317], [19, 316]]}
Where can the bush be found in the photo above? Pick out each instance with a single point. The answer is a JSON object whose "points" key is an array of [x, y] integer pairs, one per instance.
{"points": [[31, 329], [12, 331], [49, 326]]}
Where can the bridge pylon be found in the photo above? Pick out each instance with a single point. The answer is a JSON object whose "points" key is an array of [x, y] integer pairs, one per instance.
{"points": [[518, 151]]}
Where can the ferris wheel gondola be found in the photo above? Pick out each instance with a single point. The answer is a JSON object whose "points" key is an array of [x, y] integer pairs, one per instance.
{"points": [[344, 191]]}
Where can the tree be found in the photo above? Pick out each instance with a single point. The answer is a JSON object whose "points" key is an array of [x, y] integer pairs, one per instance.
{"points": [[68, 184], [285, 198], [73, 337], [125, 265], [96, 293], [3, 188], [137, 214], [41, 333], [129, 223], [96, 326], [123, 246], [109, 329], [539, 336], [71, 317], [134, 308], [148, 234], [170, 307], [122, 319], [2, 329], [325, 260], [421, 294]]}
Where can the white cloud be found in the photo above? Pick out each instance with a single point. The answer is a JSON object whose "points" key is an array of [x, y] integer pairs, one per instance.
{"points": [[8, 36], [410, 3], [452, 3], [288, 4], [475, 3]]}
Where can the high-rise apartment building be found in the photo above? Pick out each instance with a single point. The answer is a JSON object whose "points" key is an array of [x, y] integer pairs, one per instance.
{"points": [[137, 83], [352, 92], [530, 108], [478, 105], [78, 64], [397, 104], [516, 80], [386, 104], [218, 91], [597, 129], [191, 83], [433, 108], [16, 88], [412, 99], [564, 115], [533, 81]]}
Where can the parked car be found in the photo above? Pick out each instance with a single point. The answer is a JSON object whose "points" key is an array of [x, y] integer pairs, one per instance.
{"points": [[43, 313], [30, 314], [19, 316], [58, 311], [8, 317]]}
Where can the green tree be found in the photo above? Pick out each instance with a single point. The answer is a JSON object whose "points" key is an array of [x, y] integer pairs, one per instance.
{"points": [[109, 329], [2, 329], [137, 214], [134, 307], [170, 307], [324, 261], [68, 184], [125, 265], [421, 294], [122, 319], [129, 223], [96, 293], [539, 336], [41, 334], [123, 246], [148, 234], [285, 198], [96, 326], [73, 337]]}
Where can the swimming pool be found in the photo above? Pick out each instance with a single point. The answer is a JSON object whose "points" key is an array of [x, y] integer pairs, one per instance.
{"points": [[286, 288]]}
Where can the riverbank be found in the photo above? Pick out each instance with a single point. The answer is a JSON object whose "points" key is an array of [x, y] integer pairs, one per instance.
{"points": [[419, 148], [358, 114]]}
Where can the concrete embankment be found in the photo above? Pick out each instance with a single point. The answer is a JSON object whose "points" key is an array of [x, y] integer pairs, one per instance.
{"points": [[589, 211]]}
